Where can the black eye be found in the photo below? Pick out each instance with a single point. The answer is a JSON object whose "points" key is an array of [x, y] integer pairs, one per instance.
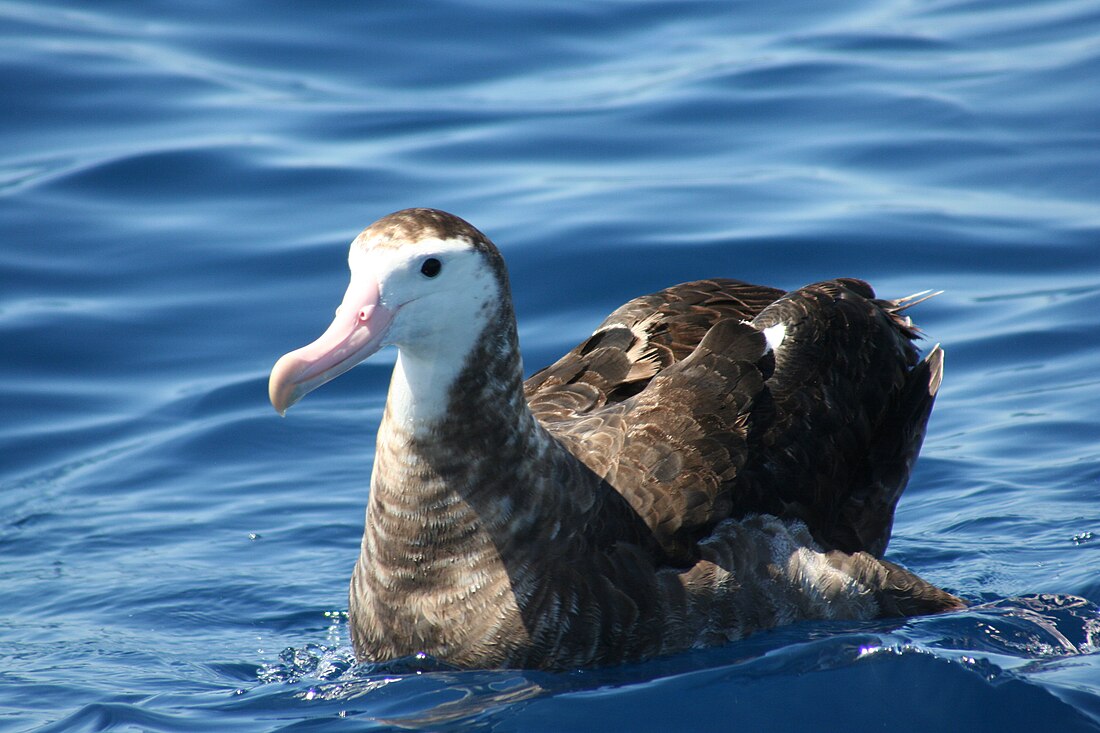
{"points": [[431, 267]]}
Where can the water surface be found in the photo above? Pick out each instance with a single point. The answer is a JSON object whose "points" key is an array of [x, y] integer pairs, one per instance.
{"points": [[178, 185]]}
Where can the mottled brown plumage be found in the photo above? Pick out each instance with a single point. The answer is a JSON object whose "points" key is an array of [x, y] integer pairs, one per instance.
{"points": [[716, 458]]}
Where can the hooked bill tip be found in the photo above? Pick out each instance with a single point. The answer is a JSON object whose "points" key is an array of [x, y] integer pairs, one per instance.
{"points": [[282, 383]]}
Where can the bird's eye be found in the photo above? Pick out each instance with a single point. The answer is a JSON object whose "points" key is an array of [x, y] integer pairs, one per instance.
{"points": [[431, 267]]}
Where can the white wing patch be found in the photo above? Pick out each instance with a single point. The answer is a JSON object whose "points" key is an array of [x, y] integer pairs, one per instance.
{"points": [[774, 335]]}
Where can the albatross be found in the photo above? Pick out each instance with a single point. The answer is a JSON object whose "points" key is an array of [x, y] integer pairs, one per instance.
{"points": [[715, 459]]}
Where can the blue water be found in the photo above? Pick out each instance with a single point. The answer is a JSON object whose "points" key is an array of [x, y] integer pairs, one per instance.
{"points": [[178, 183]]}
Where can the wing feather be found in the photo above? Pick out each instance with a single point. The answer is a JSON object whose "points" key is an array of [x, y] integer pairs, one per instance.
{"points": [[679, 404]]}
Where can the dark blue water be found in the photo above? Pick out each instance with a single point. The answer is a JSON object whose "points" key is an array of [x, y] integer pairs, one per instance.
{"points": [[178, 183]]}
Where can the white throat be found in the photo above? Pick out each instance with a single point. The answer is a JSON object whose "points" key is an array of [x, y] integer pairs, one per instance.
{"points": [[429, 365], [420, 390]]}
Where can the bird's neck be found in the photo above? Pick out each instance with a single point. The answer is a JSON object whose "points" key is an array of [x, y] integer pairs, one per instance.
{"points": [[444, 491], [439, 390], [453, 425]]}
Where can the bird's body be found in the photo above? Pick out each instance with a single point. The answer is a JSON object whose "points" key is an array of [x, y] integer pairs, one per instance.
{"points": [[716, 458]]}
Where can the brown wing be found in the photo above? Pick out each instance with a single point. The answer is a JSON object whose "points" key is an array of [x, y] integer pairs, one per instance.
{"points": [[636, 342], [691, 430], [846, 417], [657, 410], [690, 435]]}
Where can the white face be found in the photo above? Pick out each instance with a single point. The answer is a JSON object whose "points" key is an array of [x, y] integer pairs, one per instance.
{"points": [[440, 293], [431, 298]]}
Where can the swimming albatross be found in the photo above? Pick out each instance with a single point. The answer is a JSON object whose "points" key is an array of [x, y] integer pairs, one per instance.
{"points": [[716, 458]]}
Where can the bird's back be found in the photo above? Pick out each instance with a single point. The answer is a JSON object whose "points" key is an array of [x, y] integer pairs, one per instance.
{"points": [[680, 402]]}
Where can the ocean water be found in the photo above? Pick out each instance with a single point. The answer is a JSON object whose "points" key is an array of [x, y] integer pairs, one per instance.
{"points": [[178, 185]]}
